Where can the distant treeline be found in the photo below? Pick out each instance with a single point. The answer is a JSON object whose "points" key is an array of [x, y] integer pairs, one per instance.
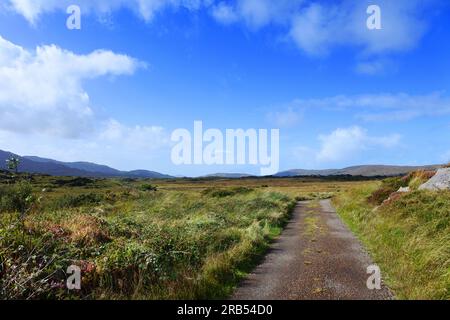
{"points": [[309, 178], [344, 177]]}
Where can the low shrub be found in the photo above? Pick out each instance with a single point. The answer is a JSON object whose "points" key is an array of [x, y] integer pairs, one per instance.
{"points": [[388, 186], [74, 201], [315, 196], [164, 245], [148, 187], [413, 180], [16, 197], [228, 192], [29, 266], [74, 182]]}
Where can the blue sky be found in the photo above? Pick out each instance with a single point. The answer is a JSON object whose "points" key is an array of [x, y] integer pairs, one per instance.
{"points": [[114, 91]]}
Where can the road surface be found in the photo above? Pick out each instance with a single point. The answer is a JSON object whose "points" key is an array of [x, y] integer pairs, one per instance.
{"points": [[316, 257]]}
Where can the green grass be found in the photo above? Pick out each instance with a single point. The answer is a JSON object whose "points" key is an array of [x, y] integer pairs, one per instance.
{"points": [[408, 237], [141, 239], [135, 243]]}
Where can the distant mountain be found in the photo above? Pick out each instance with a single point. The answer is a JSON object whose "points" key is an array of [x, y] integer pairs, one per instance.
{"points": [[32, 164], [146, 174], [84, 166], [367, 171]]}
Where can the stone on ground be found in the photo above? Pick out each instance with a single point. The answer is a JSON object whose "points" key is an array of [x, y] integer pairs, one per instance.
{"points": [[441, 181]]}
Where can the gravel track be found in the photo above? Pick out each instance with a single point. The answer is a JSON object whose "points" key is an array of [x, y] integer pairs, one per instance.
{"points": [[316, 257]]}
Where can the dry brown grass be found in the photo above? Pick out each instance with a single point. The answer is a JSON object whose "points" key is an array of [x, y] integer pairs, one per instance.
{"points": [[417, 178], [85, 228], [80, 228]]}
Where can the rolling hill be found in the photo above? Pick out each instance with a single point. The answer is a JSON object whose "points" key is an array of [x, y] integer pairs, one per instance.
{"points": [[32, 164], [366, 170]]}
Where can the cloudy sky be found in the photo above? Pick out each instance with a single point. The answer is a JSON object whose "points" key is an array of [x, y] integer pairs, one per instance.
{"points": [[114, 91]]}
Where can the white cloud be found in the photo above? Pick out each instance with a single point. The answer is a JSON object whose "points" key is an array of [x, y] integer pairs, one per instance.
{"points": [[287, 118], [310, 30], [111, 143], [224, 13], [380, 107], [136, 138], [321, 26], [258, 13], [398, 107], [41, 90], [46, 111], [341, 143], [315, 26], [33, 9], [344, 143]]}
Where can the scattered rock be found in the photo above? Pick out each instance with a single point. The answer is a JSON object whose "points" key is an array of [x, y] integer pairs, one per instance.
{"points": [[393, 197], [404, 190], [440, 181]]}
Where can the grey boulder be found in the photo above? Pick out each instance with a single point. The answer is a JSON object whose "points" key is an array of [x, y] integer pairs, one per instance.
{"points": [[440, 181], [404, 190]]}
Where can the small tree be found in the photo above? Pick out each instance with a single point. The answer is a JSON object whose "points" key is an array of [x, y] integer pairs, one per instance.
{"points": [[13, 164]]}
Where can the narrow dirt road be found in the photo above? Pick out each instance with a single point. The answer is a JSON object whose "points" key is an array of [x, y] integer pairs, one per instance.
{"points": [[316, 257]]}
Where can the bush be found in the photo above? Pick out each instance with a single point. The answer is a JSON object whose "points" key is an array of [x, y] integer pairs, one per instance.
{"points": [[176, 244], [74, 182], [387, 187], [148, 187], [16, 197], [413, 180], [74, 201], [222, 193], [315, 196]]}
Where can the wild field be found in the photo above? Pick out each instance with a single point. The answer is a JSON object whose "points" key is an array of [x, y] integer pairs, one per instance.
{"points": [[137, 239], [196, 239], [407, 234]]}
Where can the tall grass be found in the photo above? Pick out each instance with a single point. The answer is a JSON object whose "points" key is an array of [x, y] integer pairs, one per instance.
{"points": [[138, 244], [408, 237]]}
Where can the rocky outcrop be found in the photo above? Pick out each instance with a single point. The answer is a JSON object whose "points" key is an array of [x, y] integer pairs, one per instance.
{"points": [[440, 181]]}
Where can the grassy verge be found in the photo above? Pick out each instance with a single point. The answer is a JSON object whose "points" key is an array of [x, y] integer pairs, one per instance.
{"points": [[408, 237], [135, 242]]}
